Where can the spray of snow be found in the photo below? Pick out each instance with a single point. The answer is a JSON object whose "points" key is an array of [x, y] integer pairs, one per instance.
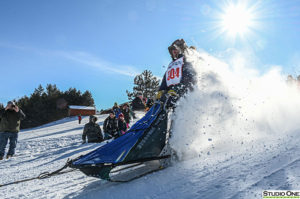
{"points": [[233, 108]]}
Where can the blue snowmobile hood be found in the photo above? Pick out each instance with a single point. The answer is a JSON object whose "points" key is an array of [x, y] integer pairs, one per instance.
{"points": [[117, 150]]}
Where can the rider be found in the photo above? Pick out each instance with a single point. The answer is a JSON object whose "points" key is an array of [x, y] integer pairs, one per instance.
{"points": [[180, 75]]}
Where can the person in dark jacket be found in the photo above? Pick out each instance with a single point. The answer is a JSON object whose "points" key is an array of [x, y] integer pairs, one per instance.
{"points": [[180, 75], [92, 131], [116, 109], [127, 113], [149, 104], [11, 118], [110, 126], [137, 103], [122, 126]]}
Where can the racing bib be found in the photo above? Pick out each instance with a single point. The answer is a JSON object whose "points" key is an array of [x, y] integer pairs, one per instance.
{"points": [[174, 72]]}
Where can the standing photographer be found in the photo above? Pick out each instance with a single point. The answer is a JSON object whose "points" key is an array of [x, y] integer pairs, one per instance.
{"points": [[10, 122]]}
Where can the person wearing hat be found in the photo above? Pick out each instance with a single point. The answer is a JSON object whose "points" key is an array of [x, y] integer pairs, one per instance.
{"points": [[116, 109], [92, 131], [137, 103], [110, 126], [122, 126], [127, 114], [10, 122], [180, 75]]}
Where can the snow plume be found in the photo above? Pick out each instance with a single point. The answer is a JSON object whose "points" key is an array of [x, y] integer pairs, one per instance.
{"points": [[233, 108]]}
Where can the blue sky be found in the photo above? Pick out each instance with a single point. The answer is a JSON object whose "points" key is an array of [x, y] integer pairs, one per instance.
{"points": [[100, 45]]}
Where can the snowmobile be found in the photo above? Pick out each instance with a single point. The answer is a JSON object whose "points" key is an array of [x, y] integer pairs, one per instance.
{"points": [[142, 150]]}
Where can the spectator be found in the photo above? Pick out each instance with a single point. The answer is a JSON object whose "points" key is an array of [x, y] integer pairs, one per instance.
{"points": [[11, 118], [122, 126], [79, 119], [110, 126], [145, 101], [149, 104], [137, 103], [92, 131], [127, 112], [116, 110]]}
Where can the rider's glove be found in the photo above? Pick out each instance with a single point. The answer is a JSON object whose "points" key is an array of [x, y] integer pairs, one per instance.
{"points": [[159, 94], [172, 93]]}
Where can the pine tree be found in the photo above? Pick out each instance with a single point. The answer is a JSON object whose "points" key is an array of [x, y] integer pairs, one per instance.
{"points": [[1, 107], [87, 99], [52, 90], [50, 104], [73, 96], [39, 91], [145, 84]]}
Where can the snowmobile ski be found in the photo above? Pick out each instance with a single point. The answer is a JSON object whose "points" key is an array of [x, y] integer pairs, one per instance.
{"points": [[136, 171]]}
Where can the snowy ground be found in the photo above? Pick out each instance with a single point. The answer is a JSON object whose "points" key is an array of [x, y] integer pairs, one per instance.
{"points": [[237, 134], [211, 175]]}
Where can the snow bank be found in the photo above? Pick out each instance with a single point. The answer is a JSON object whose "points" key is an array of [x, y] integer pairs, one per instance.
{"points": [[233, 108]]}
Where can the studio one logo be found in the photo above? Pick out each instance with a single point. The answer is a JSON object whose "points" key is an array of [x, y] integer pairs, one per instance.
{"points": [[286, 194]]}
